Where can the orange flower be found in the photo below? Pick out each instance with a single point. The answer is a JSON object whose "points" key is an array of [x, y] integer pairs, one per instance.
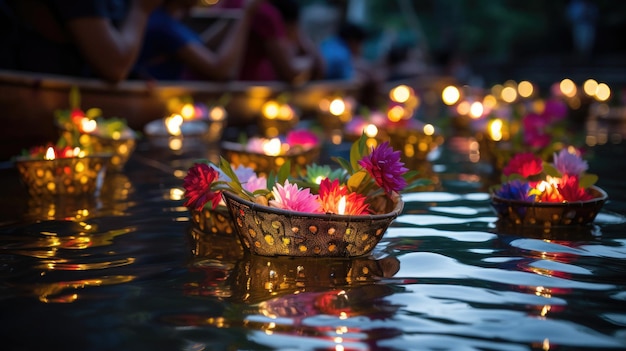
{"points": [[334, 198]]}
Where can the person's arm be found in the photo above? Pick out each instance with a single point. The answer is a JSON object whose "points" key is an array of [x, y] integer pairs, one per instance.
{"points": [[223, 64], [110, 51]]}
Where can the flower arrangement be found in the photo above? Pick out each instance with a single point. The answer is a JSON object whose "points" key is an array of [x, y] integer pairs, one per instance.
{"points": [[370, 172], [528, 178], [282, 213], [529, 181], [95, 134]]}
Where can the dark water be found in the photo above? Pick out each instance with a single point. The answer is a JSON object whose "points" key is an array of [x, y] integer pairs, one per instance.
{"points": [[126, 271]]}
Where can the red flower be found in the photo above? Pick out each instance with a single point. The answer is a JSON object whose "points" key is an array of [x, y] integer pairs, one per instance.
{"points": [[197, 184], [76, 115], [526, 164], [384, 165], [330, 195], [570, 189]]}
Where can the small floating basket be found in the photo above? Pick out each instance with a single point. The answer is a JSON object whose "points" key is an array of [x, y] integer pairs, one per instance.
{"points": [[549, 214], [270, 231], [237, 155], [63, 176]]}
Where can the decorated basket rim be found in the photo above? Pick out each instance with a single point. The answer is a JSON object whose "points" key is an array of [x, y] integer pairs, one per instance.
{"points": [[600, 196], [398, 207], [237, 147], [25, 159]]}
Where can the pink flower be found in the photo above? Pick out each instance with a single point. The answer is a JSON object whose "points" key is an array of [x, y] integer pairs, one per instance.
{"points": [[384, 166], [197, 184], [290, 197], [330, 195], [555, 110], [254, 183], [525, 164], [535, 131], [569, 163], [302, 137]]}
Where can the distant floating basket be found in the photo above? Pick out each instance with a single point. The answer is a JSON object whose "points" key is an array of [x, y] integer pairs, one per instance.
{"points": [[548, 214], [63, 176], [270, 231], [237, 155]]}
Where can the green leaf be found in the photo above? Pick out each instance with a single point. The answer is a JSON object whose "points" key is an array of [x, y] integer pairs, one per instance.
{"points": [[587, 180], [284, 172], [343, 163], [357, 151], [550, 170], [355, 180]]}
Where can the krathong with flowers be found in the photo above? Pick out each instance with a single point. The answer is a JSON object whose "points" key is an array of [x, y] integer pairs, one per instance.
{"points": [[536, 192], [320, 211], [54, 170], [94, 133]]}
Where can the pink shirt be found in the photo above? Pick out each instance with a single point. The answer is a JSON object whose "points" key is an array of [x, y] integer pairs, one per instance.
{"points": [[266, 25]]}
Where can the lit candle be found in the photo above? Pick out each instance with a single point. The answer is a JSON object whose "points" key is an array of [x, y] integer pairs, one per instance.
{"points": [[173, 123], [341, 206], [88, 125], [272, 147], [50, 155]]}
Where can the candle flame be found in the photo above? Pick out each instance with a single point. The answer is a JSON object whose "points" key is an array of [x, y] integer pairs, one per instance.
{"points": [[173, 123], [272, 147], [88, 125], [341, 206], [50, 155]]}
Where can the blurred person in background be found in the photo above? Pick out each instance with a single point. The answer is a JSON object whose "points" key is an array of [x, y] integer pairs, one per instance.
{"points": [[81, 38], [276, 48], [172, 51]]}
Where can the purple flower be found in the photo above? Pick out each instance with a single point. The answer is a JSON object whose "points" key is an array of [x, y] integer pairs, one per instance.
{"points": [[384, 166], [515, 190], [569, 163], [555, 110]]}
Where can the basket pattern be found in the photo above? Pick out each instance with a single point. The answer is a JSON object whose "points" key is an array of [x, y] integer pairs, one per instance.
{"points": [[63, 176], [262, 163], [121, 149], [549, 214], [214, 221], [271, 231]]}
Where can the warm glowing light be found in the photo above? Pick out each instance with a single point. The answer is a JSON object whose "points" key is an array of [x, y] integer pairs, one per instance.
{"points": [[495, 129], [508, 94], [370, 130], [546, 344], [341, 206], [450, 95], [568, 88], [590, 86], [463, 108], [272, 147], [88, 125], [401, 93], [603, 92], [285, 112], [217, 113], [429, 129], [50, 155], [173, 123], [270, 109], [525, 89], [490, 101], [318, 179], [175, 144], [476, 109], [337, 107], [176, 194], [395, 113], [188, 111]]}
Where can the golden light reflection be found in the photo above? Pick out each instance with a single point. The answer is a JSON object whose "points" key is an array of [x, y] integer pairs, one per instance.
{"points": [[476, 110], [450, 95], [429, 129], [337, 107], [217, 113], [463, 108], [370, 130], [590, 86], [396, 113], [603, 92], [567, 87], [508, 94], [173, 123], [525, 89], [270, 109], [188, 111], [495, 129], [546, 344], [176, 194], [401, 93]]}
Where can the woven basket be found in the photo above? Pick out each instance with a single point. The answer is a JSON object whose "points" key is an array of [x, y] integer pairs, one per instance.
{"points": [[263, 164], [271, 231], [547, 214], [63, 176]]}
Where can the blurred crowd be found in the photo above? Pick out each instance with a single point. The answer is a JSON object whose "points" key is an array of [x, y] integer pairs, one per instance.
{"points": [[116, 40]]}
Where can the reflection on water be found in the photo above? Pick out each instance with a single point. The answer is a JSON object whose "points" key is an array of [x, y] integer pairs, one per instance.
{"points": [[130, 270]]}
